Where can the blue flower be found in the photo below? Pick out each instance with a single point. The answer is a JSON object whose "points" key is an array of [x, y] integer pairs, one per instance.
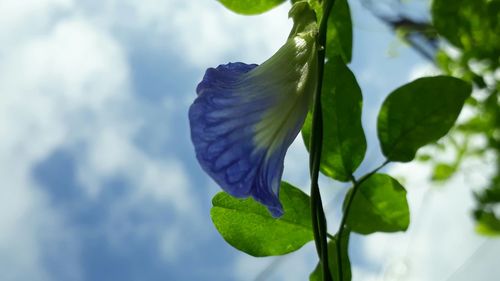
{"points": [[246, 116]]}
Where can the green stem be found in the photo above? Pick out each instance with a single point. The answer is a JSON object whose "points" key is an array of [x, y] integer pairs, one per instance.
{"points": [[317, 212], [343, 229]]}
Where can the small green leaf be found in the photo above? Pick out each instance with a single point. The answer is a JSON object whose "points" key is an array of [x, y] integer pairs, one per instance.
{"points": [[379, 206], [418, 113], [344, 143], [339, 33], [248, 226], [443, 171], [424, 157], [250, 7], [317, 274]]}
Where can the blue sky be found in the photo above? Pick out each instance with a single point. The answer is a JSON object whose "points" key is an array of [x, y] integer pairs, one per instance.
{"points": [[98, 179]]}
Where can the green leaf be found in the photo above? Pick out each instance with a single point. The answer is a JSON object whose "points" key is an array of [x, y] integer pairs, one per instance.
{"points": [[419, 113], [379, 206], [488, 224], [248, 226], [424, 157], [317, 274], [490, 195], [339, 33], [250, 7], [344, 143], [472, 25], [443, 171]]}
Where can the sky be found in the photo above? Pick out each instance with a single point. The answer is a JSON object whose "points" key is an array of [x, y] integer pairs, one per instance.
{"points": [[98, 178]]}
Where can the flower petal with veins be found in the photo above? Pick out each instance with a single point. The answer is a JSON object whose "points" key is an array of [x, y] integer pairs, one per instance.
{"points": [[246, 116]]}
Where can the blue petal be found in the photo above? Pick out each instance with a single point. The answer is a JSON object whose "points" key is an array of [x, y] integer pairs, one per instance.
{"points": [[222, 129], [246, 116]]}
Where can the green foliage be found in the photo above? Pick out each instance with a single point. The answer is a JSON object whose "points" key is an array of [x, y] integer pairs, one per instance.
{"points": [[472, 25], [250, 7], [344, 143], [443, 171], [416, 114], [487, 223], [339, 34], [419, 113], [248, 226], [317, 274], [379, 205]]}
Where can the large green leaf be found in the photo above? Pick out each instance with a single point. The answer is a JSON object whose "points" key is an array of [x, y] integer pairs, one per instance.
{"points": [[418, 113], [344, 143], [317, 274], [339, 33], [248, 226], [250, 7], [473, 25], [379, 206]]}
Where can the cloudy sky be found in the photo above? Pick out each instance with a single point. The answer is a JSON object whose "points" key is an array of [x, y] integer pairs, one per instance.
{"points": [[98, 179]]}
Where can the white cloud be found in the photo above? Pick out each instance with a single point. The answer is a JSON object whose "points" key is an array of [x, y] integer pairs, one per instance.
{"points": [[423, 70], [64, 79], [220, 32], [202, 33], [65, 85], [31, 128], [28, 18], [161, 181], [20, 255]]}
